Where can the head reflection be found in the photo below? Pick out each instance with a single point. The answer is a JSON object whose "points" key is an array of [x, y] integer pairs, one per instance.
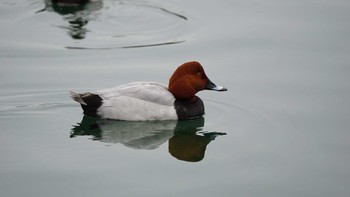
{"points": [[76, 12], [187, 142]]}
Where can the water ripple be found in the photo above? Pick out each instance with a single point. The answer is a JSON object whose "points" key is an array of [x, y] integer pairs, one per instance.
{"points": [[34, 102], [127, 47], [116, 24]]}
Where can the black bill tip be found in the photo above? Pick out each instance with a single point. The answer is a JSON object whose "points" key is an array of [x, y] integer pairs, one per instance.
{"points": [[211, 86]]}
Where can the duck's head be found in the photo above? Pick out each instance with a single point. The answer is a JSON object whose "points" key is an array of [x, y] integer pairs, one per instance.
{"points": [[190, 78]]}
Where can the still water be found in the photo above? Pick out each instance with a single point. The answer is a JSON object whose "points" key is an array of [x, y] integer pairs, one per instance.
{"points": [[282, 129]]}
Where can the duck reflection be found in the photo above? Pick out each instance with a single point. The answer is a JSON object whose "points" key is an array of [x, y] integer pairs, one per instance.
{"points": [[187, 141], [76, 12]]}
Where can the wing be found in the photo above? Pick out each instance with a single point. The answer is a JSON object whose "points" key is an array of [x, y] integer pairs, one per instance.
{"points": [[152, 92]]}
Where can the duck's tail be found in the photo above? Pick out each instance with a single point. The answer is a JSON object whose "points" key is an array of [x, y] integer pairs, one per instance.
{"points": [[89, 102], [77, 97]]}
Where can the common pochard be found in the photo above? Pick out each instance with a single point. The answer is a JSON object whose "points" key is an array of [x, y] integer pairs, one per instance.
{"points": [[143, 101]]}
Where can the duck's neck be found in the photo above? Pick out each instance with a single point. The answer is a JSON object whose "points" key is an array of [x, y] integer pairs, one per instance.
{"points": [[189, 110]]}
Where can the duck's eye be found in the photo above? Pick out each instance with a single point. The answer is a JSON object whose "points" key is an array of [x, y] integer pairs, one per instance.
{"points": [[199, 74]]}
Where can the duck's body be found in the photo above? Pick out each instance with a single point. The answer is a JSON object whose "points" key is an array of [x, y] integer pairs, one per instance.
{"points": [[142, 101]]}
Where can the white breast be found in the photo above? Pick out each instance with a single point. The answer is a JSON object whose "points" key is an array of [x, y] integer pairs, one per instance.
{"points": [[137, 101]]}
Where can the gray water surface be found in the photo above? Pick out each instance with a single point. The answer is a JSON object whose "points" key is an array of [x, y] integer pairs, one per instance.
{"points": [[282, 129]]}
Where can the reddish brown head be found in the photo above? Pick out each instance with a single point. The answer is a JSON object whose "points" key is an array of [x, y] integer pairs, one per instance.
{"points": [[188, 79]]}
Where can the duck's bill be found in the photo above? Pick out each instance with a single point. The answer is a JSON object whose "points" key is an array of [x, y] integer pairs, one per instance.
{"points": [[211, 86]]}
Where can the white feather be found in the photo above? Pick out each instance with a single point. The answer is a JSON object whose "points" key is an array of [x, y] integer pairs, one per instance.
{"points": [[137, 101], [149, 91]]}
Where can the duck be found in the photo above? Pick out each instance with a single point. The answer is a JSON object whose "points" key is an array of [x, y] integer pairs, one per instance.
{"points": [[148, 101]]}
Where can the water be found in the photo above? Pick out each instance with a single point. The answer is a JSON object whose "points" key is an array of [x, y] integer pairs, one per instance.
{"points": [[282, 129]]}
